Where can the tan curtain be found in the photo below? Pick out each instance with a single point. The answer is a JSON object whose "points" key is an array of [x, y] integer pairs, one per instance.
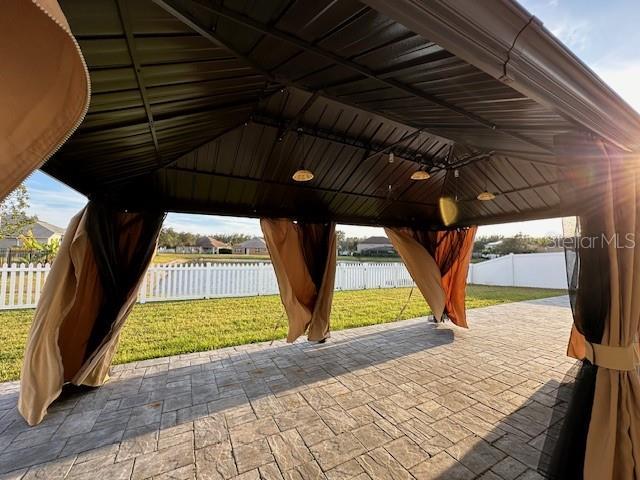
{"points": [[44, 86], [613, 443], [605, 186], [304, 259], [78, 319], [422, 267], [438, 262]]}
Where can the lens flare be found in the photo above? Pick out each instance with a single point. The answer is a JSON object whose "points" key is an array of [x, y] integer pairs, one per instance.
{"points": [[448, 210]]}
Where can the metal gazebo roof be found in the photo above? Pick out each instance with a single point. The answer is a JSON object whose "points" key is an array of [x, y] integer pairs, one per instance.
{"points": [[209, 107]]}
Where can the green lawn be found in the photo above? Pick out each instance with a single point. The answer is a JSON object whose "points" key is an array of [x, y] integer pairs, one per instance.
{"points": [[169, 328]]}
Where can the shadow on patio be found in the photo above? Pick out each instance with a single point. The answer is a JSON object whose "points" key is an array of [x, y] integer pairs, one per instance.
{"points": [[391, 400]]}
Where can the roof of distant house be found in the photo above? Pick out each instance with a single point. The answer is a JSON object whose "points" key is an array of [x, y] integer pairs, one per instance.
{"points": [[41, 229], [376, 241], [494, 244], [253, 243], [210, 242]]}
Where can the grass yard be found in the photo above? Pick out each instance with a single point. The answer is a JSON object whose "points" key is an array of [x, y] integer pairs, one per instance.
{"points": [[170, 328]]}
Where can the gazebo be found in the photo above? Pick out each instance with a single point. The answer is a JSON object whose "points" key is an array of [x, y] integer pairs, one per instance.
{"points": [[426, 118]]}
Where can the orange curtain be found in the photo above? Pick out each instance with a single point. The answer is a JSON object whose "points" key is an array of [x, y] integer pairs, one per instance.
{"points": [[44, 87], [65, 343], [304, 259], [438, 262], [603, 185], [453, 249]]}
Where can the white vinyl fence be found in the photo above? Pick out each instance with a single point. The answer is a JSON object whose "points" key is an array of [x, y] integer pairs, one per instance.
{"points": [[217, 280], [541, 270], [20, 285]]}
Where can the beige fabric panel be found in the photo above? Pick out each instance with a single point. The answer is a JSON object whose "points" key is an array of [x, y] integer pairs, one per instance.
{"points": [[65, 315], [95, 371], [308, 306], [44, 87], [319, 326], [42, 373], [422, 268], [613, 442], [297, 290]]}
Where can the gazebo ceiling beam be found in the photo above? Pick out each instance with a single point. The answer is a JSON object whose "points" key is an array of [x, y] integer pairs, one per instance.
{"points": [[293, 123], [125, 21], [349, 64], [404, 138], [270, 121], [196, 25]]}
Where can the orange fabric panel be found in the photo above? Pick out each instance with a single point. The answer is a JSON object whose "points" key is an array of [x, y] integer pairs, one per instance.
{"points": [[44, 87], [454, 279], [438, 262], [576, 347]]}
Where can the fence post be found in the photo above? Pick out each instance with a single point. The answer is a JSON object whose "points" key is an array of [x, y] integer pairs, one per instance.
{"points": [[365, 279], [513, 270], [207, 281], [142, 293], [260, 278], [3, 285]]}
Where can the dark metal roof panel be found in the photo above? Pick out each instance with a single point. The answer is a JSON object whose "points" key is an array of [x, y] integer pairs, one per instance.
{"points": [[192, 122]]}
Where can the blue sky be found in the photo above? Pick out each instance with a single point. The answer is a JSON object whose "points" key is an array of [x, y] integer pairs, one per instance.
{"points": [[604, 34]]}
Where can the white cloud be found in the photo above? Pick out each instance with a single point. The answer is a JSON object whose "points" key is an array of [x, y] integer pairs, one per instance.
{"points": [[574, 33], [212, 224], [534, 228], [52, 201], [624, 78]]}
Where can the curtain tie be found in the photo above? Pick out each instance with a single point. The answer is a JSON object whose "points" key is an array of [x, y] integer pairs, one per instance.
{"points": [[614, 358]]}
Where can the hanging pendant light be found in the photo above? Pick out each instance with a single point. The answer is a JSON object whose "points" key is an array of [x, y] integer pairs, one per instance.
{"points": [[486, 196], [302, 175], [420, 175]]}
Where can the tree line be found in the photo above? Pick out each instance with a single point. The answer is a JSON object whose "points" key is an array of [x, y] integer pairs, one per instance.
{"points": [[519, 243], [170, 238]]}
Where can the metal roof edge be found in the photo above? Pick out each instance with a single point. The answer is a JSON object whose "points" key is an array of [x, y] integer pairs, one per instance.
{"points": [[504, 40]]}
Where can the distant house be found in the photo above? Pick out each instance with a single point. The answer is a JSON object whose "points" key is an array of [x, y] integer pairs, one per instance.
{"points": [[490, 249], [212, 245], [374, 243], [254, 246], [43, 232]]}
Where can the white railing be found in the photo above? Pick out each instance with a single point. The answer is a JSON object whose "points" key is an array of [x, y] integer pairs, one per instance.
{"points": [[20, 285]]}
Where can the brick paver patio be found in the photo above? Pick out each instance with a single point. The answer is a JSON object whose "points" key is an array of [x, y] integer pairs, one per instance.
{"points": [[402, 400]]}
